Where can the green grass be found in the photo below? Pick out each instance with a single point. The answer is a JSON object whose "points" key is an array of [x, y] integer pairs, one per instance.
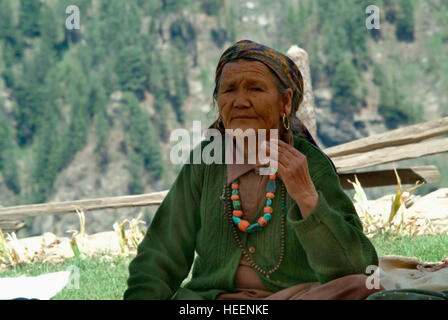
{"points": [[102, 279], [426, 248], [99, 279]]}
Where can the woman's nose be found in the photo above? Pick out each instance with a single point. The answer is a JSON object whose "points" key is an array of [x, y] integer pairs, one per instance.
{"points": [[241, 100]]}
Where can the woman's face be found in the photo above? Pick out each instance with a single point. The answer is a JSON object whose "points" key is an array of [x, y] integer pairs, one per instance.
{"points": [[248, 97]]}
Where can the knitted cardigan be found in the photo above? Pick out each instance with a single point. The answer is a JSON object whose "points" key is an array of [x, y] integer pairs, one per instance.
{"points": [[192, 224]]}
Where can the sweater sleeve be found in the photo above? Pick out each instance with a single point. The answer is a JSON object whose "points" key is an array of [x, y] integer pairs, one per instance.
{"points": [[332, 234], [165, 255]]}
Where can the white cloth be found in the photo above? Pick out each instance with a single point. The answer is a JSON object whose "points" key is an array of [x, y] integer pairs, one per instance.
{"points": [[42, 287], [399, 272]]}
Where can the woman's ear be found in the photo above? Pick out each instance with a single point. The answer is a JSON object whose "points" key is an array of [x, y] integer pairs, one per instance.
{"points": [[287, 101]]}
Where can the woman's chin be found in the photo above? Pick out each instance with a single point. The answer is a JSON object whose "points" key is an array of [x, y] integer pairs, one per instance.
{"points": [[245, 126], [243, 131]]}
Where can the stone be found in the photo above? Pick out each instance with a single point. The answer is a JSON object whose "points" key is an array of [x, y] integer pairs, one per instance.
{"points": [[306, 112]]}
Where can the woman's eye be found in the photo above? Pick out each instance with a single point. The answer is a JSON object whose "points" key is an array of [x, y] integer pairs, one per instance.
{"points": [[256, 89], [228, 90]]}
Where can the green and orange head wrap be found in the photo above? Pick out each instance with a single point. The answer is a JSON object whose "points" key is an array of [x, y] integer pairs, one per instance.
{"points": [[283, 67]]}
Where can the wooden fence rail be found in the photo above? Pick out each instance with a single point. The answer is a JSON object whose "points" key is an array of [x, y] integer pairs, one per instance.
{"points": [[142, 200], [355, 161], [398, 137]]}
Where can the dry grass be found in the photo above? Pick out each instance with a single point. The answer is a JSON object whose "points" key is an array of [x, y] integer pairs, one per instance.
{"points": [[393, 222], [129, 234], [11, 252]]}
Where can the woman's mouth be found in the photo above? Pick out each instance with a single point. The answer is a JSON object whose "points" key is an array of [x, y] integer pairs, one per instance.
{"points": [[243, 117]]}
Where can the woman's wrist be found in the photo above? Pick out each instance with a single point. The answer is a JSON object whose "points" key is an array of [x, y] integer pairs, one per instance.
{"points": [[307, 203]]}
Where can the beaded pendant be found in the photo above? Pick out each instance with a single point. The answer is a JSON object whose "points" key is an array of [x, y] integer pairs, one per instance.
{"points": [[237, 217]]}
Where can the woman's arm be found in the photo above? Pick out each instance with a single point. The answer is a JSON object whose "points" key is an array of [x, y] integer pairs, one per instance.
{"points": [[165, 255], [332, 234]]}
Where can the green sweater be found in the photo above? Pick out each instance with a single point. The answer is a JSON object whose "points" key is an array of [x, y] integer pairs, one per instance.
{"points": [[327, 244]]}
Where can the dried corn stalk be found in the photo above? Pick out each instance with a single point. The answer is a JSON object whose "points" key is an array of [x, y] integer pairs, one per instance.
{"points": [[78, 241], [119, 229], [5, 251], [12, 252], [396, 224], [129, 239]]}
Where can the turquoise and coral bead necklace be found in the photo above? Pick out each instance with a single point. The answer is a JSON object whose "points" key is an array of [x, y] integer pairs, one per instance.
{"points": [[237, 212], [234, 223]]}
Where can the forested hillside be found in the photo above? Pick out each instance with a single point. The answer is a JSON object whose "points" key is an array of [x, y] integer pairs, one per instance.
{"points": [[87, 113]]}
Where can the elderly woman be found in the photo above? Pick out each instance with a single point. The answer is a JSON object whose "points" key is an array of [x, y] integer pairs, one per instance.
{"points": [[293, 234]]}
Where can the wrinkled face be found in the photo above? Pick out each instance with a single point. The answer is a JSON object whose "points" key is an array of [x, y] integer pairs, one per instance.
{"points": [[248, 97]]}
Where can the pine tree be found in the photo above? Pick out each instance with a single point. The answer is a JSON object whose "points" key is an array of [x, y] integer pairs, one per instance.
{"points": [[113, 16], [29, 104], [48, 148], [344, 88], [30, 87], [6, 23], [77, 94], [130, 67], [109, 78], [50, 29], [98, 106], [405, 21], [8, 161], [29, 17], [143, 139], [160, 105], [174, 5], [356, 35], [176, 78], [10, 41], [135, 168], [101, 130], [48, 158], [392, 104]]}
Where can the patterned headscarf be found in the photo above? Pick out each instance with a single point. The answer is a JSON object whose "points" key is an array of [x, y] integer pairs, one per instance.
{"points": [[283, 67]]}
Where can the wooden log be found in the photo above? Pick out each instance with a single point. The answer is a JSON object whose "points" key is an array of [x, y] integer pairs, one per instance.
{"points": [[398, 137], [380, 178], [144, 200], [351, 162], [8, 226]]}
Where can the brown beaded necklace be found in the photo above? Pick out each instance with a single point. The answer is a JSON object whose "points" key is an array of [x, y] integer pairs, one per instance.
{"points": [[267, 273]]}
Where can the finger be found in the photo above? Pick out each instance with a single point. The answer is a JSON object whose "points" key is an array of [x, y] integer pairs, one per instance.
{"points": [[281, 145], [285, 149], [273, 152], [288, 162], [282, 155], [280, 167], [274, 164]]}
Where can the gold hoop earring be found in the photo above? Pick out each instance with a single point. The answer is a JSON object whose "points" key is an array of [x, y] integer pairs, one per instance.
{"points": [[286, 123]]}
